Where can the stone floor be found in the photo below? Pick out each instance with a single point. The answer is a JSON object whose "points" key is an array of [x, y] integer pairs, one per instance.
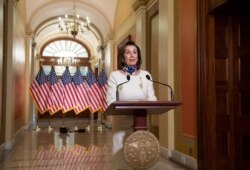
{"points": [[53, 150]]}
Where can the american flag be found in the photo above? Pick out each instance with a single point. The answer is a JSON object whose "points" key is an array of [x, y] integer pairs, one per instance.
{"points": [[94, 92], [39, 92], [102, 80], [55, 93], [69, 95], [81, 92]]}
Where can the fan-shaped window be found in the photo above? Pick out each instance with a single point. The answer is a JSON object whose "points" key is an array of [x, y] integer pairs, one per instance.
{"points": [[65, 48], [64, 52]]}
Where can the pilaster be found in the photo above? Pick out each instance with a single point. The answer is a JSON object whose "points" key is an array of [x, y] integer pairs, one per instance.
{"points": [[140, 8]]}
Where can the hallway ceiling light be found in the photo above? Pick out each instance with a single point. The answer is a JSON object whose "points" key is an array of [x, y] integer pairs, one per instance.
{"points": [[74, 24]]}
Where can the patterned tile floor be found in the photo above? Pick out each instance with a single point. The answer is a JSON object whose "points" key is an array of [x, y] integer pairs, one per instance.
{"points": [[66, 151]]}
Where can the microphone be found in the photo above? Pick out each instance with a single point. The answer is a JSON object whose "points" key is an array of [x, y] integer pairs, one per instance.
{"points": [[117, 92], [171, 90]]}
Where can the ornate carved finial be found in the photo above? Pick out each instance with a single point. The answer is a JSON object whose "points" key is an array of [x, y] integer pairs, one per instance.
{"points": [[139, 3]]}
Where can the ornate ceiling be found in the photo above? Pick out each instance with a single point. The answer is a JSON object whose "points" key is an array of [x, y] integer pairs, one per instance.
{"points": [[42, 19]]}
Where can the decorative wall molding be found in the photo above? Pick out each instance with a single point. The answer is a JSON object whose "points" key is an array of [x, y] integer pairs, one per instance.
{"points": [[14, 2]]}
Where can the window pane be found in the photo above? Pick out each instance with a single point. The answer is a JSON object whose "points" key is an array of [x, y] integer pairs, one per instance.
{"points": [[65, 48], [84, 70], [46, 69], [59, 70]]}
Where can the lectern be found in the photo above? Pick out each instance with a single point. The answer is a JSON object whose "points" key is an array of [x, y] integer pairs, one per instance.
{"points": [[140, 110], [141, 149]]}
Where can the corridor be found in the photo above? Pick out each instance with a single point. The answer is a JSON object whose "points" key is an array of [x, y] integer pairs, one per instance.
{"points": [[73, 150]]}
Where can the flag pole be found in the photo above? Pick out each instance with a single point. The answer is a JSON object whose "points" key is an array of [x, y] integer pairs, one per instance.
{"points": [[76, 128], [88, 128], [64, 129], [49, 127], [99, 114], [37, 129], [100, 127]]}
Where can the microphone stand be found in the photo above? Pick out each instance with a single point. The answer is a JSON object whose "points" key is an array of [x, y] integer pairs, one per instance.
{"points": [[117, 92], [171, 90]]}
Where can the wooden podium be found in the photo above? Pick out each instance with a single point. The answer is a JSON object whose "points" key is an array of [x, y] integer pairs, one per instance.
{"points": [[140, 110], [141, 149]]}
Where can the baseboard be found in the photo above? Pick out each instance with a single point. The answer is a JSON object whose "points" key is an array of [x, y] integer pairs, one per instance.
{"points": [[180, 158], [9, 144], [164, 152], [2, 147]]}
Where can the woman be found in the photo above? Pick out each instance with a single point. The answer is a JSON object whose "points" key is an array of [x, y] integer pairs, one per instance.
{"points": [[137, 88]]}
